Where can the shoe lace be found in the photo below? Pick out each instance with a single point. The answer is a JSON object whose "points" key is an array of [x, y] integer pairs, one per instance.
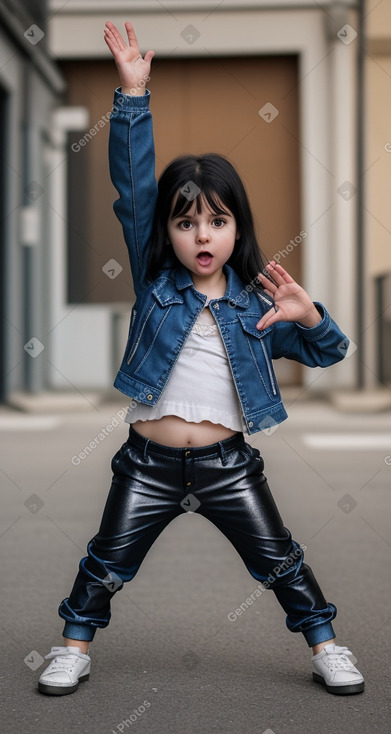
{"points": [[62, 661], [338, 659]]}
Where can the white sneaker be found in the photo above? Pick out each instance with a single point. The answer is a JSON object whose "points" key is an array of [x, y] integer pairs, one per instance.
{"points": [[333, 668], [68, 668]]}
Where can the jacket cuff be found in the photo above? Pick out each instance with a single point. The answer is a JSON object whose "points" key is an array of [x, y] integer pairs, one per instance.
{"points": [[313, 333], [128, 103]]}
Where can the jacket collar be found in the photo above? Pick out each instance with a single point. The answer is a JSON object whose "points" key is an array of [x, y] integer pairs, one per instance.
{"points": [[235, 292]]}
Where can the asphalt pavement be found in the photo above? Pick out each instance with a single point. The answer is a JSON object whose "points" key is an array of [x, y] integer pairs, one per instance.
{"points": [[176, 658]]}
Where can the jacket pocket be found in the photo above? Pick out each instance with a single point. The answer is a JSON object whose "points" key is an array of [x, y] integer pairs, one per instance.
{"points": [[133, 346], [258, 344]]}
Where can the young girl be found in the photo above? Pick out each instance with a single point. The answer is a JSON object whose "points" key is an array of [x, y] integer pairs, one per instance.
{"points": [[209, 318]]}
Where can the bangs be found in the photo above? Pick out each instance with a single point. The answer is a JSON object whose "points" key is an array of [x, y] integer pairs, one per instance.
{"points": [[184, 203]]}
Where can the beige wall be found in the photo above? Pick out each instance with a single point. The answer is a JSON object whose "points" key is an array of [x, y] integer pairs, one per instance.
{"points": [[378, 137]]}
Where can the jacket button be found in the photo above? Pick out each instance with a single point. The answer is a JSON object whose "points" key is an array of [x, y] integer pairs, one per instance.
{"points": [[251, 424], [216, 306], [149, 397]]}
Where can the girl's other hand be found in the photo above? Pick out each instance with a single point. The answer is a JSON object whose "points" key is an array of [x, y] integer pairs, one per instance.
{"points": [[132, 68], [292, 302]]}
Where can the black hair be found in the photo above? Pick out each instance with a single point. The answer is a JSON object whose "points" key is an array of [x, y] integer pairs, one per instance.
{"points": [[210, 177]]}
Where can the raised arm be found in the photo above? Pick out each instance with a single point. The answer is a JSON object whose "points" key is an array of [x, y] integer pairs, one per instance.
{"points": [[131, 148]]}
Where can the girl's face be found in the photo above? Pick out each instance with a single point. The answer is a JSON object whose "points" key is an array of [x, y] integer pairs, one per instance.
{"points": [[202, 242]]}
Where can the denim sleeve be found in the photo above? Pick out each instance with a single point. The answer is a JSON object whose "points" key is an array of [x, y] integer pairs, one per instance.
{"points": [[318, 346], [132, 171]]}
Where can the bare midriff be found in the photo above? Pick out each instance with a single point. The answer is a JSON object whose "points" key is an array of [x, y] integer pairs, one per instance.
{"points": [[174, 431]]}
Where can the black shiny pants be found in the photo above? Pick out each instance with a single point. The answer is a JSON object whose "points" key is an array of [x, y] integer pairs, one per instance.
{"points": [[153, 484]]}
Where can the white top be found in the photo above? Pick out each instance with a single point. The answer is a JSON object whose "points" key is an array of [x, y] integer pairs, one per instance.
{"points": [[200, 386]]}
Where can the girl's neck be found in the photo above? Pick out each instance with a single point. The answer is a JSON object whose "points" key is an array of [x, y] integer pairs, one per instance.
{"points": [[213, 286]]}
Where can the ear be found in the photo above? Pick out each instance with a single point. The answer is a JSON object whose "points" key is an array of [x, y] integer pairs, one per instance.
{"points": [[237, 236]]}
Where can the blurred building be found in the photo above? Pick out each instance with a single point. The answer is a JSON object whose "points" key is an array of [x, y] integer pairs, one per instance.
{"points": [[376, 179], [280, 89], [30, 88]]}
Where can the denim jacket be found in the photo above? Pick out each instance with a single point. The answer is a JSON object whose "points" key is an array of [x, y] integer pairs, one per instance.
{"points": [[166, 309]]}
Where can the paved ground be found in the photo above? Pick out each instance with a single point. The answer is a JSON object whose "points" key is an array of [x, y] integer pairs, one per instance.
{"points": [[171, 661]]}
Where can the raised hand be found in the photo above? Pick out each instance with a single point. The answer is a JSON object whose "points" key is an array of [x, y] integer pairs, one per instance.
{"points": [[132, 68], [291, 300]]}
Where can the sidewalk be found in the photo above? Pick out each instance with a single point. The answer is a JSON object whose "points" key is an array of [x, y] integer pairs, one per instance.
{"points": [[170, 642]]}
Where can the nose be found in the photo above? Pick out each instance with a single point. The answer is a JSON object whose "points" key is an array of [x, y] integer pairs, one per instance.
{"points": [[203, 234]]}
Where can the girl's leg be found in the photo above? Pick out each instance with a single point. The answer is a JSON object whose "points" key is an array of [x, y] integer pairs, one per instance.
{"points": [[140, 504], [242, 507], [240, 504]]}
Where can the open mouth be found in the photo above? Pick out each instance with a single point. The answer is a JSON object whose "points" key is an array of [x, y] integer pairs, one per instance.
{"points": [[204, 258]]}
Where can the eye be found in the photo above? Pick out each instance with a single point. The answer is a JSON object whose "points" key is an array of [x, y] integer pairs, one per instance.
{"points": [[184, 222], [219, 223]]}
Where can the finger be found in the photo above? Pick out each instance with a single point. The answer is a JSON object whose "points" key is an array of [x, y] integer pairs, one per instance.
{"points": [[113, 33], [269, 318], [149, 56], [112, 44], [131, 36], [113, 39], [267, 283], [273, 272], [279, 269]]}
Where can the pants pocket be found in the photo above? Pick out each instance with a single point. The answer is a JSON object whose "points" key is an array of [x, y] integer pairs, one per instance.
{"points": [[118, 456], [256, 457]]}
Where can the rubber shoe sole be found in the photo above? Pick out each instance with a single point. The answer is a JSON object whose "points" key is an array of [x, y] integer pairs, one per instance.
{"points": [[61, 690], [339, 690]]}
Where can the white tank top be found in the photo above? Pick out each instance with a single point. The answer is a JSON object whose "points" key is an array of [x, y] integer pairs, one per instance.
{"points": [[200, 386]]}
